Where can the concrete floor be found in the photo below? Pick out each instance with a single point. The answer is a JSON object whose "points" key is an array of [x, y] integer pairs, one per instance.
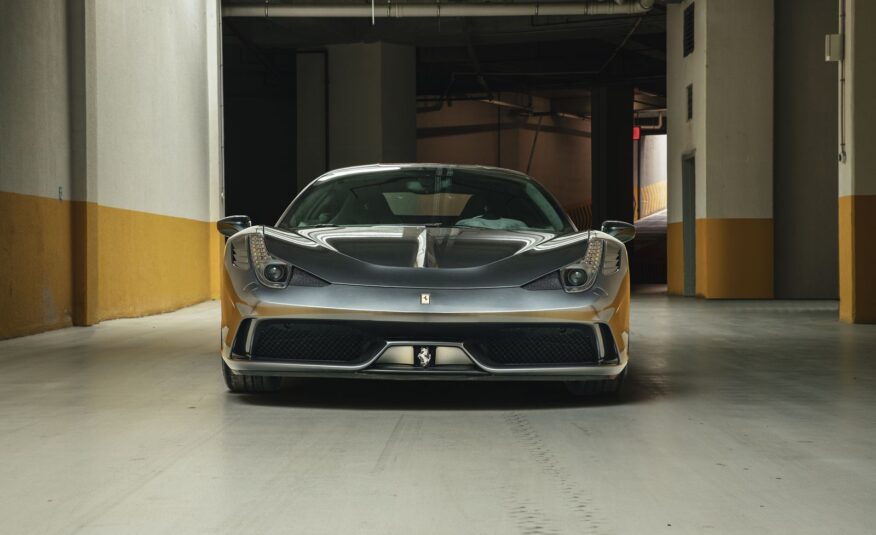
{"points": [[741, 417]]}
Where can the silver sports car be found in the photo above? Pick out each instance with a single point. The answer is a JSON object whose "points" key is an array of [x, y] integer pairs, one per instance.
{"points": [[425, 271]]}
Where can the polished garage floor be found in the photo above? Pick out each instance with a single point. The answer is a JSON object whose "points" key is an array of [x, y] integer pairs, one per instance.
{"points": [[745, 417]]}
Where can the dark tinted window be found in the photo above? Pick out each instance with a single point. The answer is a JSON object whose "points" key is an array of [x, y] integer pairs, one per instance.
{"points": [[437, 196]]}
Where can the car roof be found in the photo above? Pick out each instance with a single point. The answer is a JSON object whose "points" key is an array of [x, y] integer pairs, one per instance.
{"points": [[357, 169]]}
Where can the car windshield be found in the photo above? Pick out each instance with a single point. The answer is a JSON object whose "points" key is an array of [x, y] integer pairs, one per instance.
{"points": [[431, 196]]}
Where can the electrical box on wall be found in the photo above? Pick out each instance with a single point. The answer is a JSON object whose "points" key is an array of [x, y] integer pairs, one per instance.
{"points": [[833, 47]]}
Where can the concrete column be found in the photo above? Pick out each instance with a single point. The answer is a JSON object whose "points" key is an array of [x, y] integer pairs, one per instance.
{"points": [[805, 152], [372, 104], [312, 120], [857, 167], [730, 136], [612, 153], [35, 179]]}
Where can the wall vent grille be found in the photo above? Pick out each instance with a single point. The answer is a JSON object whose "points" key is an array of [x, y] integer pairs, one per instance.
{"points": [[689, 102], [688, 30]]}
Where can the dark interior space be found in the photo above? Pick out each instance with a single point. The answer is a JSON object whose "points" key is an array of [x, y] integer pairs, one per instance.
{"points": [[539, 74], [259, 127]]}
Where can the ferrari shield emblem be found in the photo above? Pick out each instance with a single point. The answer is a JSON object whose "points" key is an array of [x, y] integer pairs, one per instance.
{"points": [[425, 299]]}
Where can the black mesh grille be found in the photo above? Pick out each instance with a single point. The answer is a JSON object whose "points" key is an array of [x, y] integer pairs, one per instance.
{"points": [[313, 342], [551, 281], [536, 345], [494, 344], [303, 278]]}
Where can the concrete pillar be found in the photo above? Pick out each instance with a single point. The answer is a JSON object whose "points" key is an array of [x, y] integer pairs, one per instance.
{"points": [[372, 104], [35, 180], [312, 120], [857, 167], [805, 152], [729, 134], [612, 153]]}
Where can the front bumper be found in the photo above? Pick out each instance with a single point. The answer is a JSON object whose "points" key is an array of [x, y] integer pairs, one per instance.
{"points": [[306, 347], [407, 325]]}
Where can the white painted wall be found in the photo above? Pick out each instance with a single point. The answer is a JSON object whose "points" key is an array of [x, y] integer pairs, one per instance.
{"points": [[739, 128], [731, 69], [155, 107], [213, 44], [653, 164], [34, 108], [857, 175], [686, 137]]}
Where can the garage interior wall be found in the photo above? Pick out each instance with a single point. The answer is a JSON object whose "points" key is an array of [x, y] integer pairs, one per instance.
{"points": [[119, 191], [732, 115], [857, 168], [479, 133], [36, 289]]}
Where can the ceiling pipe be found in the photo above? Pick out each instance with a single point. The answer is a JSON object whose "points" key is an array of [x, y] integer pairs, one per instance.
{"points": [[437, 9], [660, 115]]}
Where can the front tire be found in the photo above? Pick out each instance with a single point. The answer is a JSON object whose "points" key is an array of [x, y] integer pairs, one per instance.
{"points": [[249, 384]]}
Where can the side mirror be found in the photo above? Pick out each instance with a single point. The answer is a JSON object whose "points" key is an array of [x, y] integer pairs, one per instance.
{"points": [[231, 225], [619, 229]]}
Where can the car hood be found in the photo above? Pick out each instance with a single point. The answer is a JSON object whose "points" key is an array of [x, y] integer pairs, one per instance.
{"points": [[426, 257]]}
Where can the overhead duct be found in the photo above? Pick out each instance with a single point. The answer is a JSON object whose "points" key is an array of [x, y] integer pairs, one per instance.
{"points": [[438, 9]]}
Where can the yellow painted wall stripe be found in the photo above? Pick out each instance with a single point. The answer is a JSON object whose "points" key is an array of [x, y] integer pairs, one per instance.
{"points": [[857, 258], [675, 258], [149, 263], [67, 263], [734, 258], [36, 285]]}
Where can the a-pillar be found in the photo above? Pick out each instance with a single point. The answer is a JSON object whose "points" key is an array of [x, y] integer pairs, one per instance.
{"points": [[720, 153], [857, 167], [372, 104]]}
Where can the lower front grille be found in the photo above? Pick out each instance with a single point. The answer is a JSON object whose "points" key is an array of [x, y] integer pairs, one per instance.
{"points": [[307, 341], [496, 345], [536, 346]]}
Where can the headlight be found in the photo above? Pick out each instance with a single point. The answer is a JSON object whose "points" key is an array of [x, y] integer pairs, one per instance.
{"points": [[271, 272], [581, 275]]}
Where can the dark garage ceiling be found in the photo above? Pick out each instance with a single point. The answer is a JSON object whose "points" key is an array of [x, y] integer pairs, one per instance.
{"points": [[557, 57]]}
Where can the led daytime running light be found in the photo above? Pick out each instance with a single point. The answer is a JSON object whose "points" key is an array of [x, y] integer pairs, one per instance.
{"points": [[260, 258]]}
